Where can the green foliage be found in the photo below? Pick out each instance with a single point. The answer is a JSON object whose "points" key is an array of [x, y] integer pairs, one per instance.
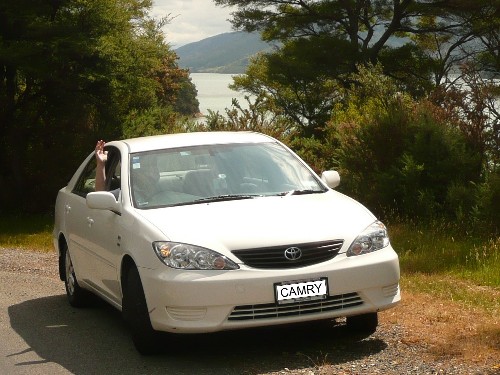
{"points": [[399, 156], [412, 68], [487, 205], [186, 101], [72, 72], [318, 154], [150, 121], [257, 116], [302, 96], [419, 43]]}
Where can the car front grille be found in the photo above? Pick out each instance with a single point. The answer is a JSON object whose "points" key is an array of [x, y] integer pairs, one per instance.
{"points": [[274, 257], [273, 310]]}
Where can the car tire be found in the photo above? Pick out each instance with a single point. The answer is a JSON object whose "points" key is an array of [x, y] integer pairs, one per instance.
{"points": [[77, 296], [136, 315], [364, 324]]}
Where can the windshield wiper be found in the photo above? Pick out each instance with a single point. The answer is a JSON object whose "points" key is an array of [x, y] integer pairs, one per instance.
{"points": [[225, 197], [301, 192]]}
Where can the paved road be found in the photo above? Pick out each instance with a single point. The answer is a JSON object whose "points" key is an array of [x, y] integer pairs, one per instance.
{"points": [[25, 317], [41, 334]]}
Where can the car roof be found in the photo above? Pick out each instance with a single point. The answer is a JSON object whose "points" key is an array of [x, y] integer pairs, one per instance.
{"points": [[159, 142]]}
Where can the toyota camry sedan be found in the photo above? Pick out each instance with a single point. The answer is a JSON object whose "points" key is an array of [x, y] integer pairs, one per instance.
{"points": [[204, 232]]}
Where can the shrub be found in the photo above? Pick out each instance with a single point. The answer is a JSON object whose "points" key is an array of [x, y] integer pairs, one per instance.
{"points": [[401, 156], [487, 208]]}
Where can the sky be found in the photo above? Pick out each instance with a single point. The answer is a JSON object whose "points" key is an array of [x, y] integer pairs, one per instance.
{"points": [[192, 20]]}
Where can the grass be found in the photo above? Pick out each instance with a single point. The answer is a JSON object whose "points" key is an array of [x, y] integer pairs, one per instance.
{"points": [[441, 259], [450, 288], [441, 248], [27, 232]]}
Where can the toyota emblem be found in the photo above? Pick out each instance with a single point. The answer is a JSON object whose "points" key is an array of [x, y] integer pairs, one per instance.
{"points": [[293, 253]]}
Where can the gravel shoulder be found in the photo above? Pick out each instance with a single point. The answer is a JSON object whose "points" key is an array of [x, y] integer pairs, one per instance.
{"points": [[423, 335]]}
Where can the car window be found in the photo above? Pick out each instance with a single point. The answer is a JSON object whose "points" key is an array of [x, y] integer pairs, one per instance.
{"points": [[192, 174], [86, 181]]}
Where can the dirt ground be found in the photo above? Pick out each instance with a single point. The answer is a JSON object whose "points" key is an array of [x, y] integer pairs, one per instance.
{"points": [[448, 330]]}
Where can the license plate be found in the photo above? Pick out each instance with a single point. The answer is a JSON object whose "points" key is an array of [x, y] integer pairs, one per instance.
{"points": [[303, 290]]}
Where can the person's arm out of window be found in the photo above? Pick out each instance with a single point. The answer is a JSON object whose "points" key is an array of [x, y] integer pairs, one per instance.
{"points": [[100, 174]]}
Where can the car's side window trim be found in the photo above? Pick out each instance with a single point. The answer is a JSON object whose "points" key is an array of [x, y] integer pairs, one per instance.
{"points": [[112, 166], [86, 182]]}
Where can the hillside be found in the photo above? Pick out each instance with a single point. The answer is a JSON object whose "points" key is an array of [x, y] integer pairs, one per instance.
{"points": [[223, 53], [230, 52]]}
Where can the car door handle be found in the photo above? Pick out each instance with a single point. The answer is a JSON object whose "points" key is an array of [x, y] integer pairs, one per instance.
{"points": [[67, 208], [90, 221]]}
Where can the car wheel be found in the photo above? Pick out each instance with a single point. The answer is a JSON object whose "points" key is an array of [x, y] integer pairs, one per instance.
{"points": [[136, 315], [77, 296], [365, 323]]}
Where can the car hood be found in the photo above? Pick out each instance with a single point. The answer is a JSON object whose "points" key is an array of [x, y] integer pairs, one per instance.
{"points": [[263, 221]]}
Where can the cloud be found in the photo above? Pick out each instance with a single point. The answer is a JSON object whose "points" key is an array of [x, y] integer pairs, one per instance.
{"points": [[192, 20]]}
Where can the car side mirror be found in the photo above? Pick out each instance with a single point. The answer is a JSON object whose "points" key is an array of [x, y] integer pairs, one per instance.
{"points": [[103, 200], [331, 178]]}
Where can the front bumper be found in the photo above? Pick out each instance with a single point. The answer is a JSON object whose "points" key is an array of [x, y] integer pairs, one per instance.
{"points": [[208, 301]]}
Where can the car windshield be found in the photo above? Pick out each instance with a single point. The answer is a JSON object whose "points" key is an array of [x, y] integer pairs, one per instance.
{"points": [[214, 173]]}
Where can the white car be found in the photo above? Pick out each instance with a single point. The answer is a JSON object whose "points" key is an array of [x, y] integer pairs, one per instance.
{"points": [[203, 232]]}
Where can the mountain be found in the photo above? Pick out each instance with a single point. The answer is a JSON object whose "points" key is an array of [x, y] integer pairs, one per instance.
{"points": [[230, 52], [223, 53]]}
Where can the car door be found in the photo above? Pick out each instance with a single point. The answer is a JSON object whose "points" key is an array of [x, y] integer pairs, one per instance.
{"points": [[77, 222], [105, 235]]}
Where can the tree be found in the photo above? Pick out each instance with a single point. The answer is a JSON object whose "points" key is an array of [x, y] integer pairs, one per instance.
{"points": [[328, 38], [474, 40], [71, 72], [304, 101]]}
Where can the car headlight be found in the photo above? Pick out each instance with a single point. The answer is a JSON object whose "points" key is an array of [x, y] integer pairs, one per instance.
{"points": [[190, 257], [371, 239]]}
